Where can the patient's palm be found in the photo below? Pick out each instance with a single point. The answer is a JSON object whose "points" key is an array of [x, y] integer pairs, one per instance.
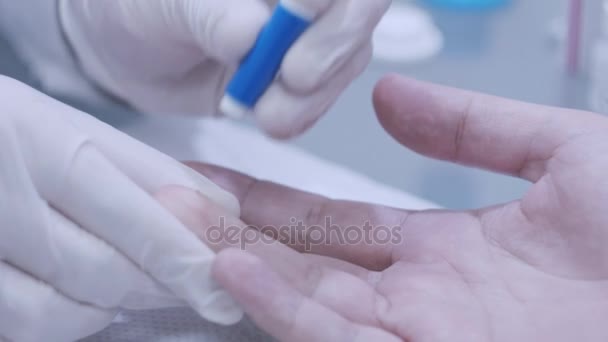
{"points": [[535, 269]]}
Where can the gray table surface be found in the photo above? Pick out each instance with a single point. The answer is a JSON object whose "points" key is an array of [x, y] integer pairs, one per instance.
{"points": [[506, 53]]}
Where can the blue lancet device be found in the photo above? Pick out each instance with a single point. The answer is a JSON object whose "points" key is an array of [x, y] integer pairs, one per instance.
{"points": [[261, 65]]}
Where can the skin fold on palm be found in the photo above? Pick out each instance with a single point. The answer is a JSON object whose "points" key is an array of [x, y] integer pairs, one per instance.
{"points": [[535, 269]]}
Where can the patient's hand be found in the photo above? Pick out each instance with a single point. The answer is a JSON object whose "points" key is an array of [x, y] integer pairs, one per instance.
{"points": [[532, 270]]}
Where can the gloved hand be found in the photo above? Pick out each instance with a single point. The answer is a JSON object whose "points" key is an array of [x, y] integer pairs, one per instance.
{"points": [[177, 56], [80, 235]]}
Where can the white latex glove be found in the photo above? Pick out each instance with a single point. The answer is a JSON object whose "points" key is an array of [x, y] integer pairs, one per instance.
{"points": [[178, 55], [80, 234]]}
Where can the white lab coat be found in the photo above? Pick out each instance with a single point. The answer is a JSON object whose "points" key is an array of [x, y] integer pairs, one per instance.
{"points": [[32, 28]]}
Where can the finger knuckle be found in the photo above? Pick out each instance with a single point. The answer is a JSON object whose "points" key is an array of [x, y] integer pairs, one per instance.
{"points": [[317, 213], [462, 127]]}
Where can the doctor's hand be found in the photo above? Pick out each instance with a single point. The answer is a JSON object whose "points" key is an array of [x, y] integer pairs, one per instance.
{"points": [[535, 269], [178, 56], [80, 236]]}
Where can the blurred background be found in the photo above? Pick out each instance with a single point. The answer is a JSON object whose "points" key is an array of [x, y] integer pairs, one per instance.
{"points": [[542, 51]]}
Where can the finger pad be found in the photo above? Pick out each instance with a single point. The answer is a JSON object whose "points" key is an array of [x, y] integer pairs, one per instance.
{"points": [[242, 274], [406, 110]]}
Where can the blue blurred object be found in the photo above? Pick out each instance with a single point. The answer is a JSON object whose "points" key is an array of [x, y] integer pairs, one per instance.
{"points": [[468, 4], [467, 25], [260, 67]]}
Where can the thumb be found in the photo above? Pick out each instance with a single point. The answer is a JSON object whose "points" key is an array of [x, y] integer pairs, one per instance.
{"points": [[223, 29], [493, 133]]}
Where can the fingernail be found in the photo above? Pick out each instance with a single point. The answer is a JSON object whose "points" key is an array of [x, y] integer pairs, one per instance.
{"points": [[187, 197], [214, 192], [220, 308]]}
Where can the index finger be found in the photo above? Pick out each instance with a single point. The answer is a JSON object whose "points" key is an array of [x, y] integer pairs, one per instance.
{"points": [[77, 178], [359, 233]]}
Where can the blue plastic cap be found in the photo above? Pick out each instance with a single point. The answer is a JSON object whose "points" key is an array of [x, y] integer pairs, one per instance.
{"points": [[261, 65]]}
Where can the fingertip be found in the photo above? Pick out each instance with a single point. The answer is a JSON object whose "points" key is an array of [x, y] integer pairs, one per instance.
{"points": [[232, 181], [221, 308], [390, 104], [384, 89], [278, 114], [407, 111], [285, 132], [391, 94], [283, 115], [276, 127]]}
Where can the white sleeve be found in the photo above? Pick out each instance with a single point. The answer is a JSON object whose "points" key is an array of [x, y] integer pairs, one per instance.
{"points": [[33, 29]]}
